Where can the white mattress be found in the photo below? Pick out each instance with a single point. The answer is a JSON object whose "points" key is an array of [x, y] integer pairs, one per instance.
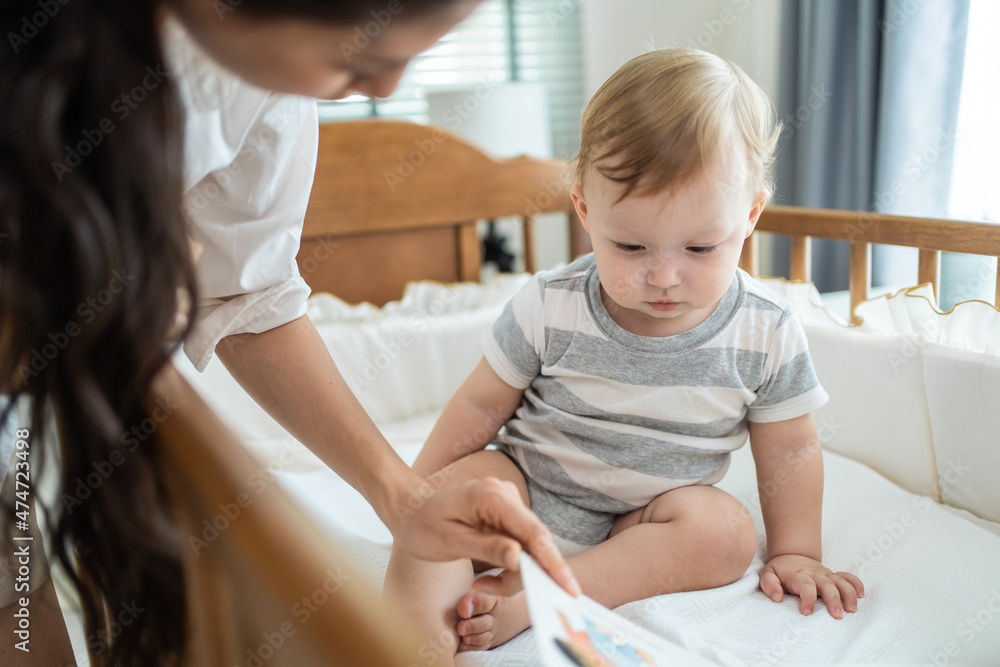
{"points": [[932, 576]]}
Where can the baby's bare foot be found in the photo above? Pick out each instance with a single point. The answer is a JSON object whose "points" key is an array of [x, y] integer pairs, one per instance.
{"points": [[486, 620]]}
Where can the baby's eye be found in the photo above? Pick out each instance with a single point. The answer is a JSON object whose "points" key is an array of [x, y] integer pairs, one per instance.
{"points": [[701, 250], [628, 247]]}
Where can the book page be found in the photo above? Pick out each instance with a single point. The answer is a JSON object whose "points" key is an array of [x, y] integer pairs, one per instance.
{"points": [[578, 632]]}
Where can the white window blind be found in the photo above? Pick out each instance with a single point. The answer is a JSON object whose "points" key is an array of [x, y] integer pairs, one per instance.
{"points": [[503, 40]]}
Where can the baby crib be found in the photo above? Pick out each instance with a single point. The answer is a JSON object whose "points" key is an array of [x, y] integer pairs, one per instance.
{"points": [[909, 435]]}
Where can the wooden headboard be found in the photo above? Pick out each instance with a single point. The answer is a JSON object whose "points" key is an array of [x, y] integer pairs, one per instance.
{"points": [[394, 201]]}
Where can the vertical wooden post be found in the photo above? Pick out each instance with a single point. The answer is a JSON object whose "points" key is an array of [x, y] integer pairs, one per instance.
{"points": [[748, 258], [801, 258], [860, 275], [470, 253], [996, 296], [528, 231], [579, 240], [929, 270]]}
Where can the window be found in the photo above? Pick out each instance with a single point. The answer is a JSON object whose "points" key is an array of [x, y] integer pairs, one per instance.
{"points": [[974, 194], [974, 191], [503, 40]]}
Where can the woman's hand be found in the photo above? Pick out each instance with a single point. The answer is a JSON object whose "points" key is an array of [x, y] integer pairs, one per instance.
{"points": [[810, 579], [485, 520]]}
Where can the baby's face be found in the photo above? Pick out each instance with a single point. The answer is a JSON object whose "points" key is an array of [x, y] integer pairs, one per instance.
{"points": [[665, 260]]}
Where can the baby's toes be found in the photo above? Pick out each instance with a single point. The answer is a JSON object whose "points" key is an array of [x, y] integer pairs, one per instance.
{"points": [[476, 642], [475, 603], [474, 626]]}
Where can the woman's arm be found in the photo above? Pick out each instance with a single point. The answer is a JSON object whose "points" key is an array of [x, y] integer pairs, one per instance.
{"points": [[289, 372], [470, 421]]}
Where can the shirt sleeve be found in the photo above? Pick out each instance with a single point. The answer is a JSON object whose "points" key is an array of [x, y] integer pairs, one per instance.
{"points": [[250, 158], [515, 345], [790, 387]]}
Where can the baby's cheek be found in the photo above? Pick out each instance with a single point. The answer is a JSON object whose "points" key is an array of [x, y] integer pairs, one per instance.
{"points": [[626, 287], [721, 283]]}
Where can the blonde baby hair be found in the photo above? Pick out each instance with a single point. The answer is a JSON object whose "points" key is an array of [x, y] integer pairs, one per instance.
{"points": [[670, 115]]}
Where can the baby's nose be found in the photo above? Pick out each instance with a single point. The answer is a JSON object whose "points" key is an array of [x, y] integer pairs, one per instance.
{"points": [[663, 272]]}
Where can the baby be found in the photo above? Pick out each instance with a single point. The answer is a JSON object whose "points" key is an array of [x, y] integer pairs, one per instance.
{"points": [[614, 389]]}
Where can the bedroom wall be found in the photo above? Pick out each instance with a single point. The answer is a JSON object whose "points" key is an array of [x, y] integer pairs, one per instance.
{"points": [[744, 31]]}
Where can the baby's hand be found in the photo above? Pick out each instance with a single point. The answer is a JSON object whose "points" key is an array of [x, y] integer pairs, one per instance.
{"points": [[809, 579]]}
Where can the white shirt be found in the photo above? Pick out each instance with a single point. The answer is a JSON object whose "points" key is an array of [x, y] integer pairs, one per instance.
{"points": [[249, 162]]}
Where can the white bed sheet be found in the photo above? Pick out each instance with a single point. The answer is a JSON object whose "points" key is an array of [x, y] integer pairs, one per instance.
{"points": [[932, 576]]}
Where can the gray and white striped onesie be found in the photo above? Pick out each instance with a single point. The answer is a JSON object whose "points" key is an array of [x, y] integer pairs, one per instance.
{"points": [[610, 420]]}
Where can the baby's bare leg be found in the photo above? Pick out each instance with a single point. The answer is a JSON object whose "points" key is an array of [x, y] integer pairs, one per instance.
{"points": [[691, 538], [428, 592], [687, 539]]}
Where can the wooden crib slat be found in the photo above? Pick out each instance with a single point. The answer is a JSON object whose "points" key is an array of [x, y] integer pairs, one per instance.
{"points": [[801, 258], [929, 269], [996, 296], [470, 254], [528, 231], [860, 275], [579, 239], [748, 258]]}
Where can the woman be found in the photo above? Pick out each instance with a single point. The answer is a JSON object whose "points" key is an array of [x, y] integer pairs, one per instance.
{"points": [[99, 194]]}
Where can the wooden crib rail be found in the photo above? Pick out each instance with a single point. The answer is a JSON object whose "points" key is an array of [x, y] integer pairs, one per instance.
{"points": [[264, 583], [861, 228]]}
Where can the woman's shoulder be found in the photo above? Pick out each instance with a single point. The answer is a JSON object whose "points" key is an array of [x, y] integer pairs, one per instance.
{"points": [[223, 114], [203, 84]]}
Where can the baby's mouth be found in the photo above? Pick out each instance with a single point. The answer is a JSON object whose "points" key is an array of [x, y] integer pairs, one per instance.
{"points": [[663, 305]]}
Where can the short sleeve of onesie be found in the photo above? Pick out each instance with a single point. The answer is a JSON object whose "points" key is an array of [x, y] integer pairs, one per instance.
{"points": [[515, 345], [249, 162], [790, 387]]}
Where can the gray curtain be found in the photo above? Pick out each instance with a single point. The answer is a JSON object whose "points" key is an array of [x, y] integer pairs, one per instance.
{"points": [[923, 55], [830, 56], [869, 97]]}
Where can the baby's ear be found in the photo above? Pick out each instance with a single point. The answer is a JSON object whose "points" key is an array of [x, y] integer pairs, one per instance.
{"points": [[576, 194], [759, 202]]}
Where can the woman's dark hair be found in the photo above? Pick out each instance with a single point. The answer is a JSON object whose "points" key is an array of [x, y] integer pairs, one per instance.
{"points": [[92, 253]]}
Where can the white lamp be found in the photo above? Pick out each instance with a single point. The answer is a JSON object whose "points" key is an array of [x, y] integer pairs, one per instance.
{"points": [[505, 119]]}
